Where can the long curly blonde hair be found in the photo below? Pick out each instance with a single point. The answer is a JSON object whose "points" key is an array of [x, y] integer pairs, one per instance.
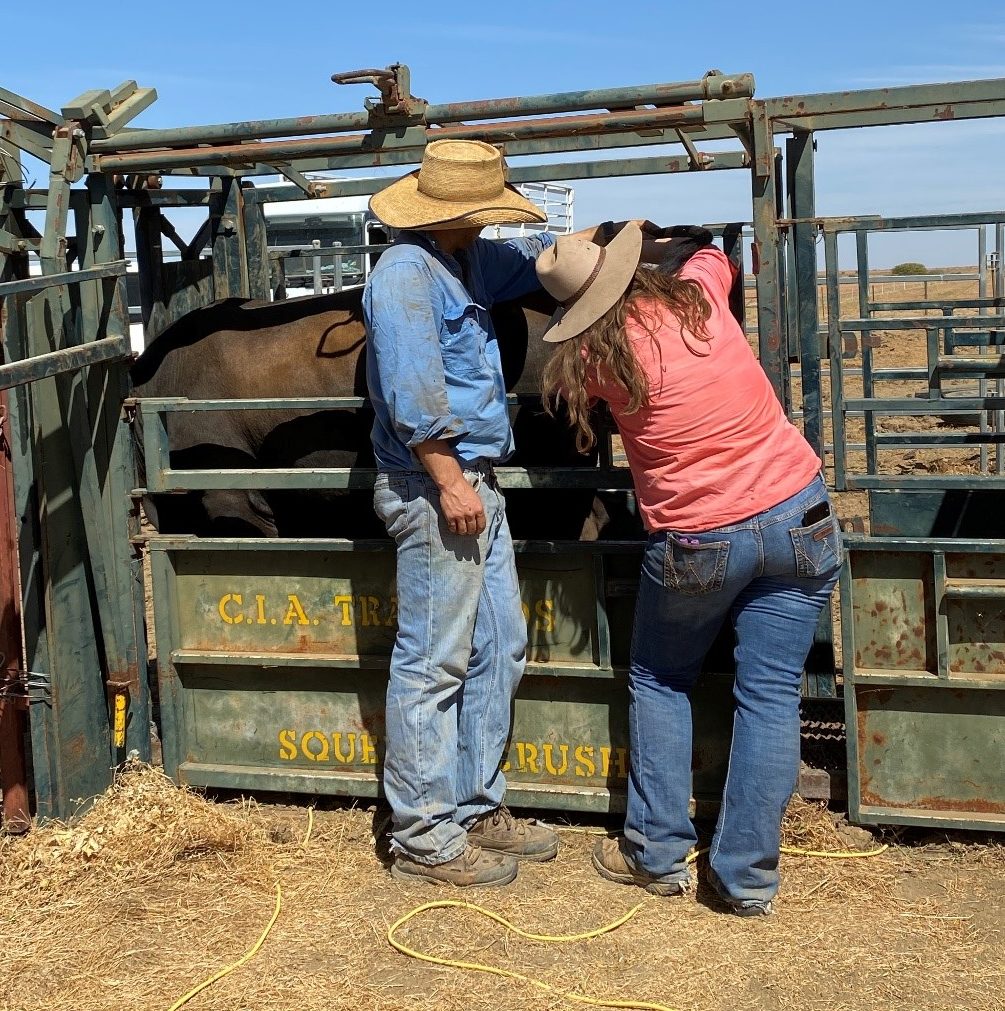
{"points": [[608, 350]]}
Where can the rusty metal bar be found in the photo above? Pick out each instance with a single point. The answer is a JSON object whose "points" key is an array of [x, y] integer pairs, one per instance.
{"points": [[712, 86], [13, 765], [107, 349], [271, 152], [21, 104], [27, 284]]}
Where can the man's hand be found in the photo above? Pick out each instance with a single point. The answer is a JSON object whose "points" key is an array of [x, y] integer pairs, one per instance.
{"points": [[462, 508], [460, 504]]}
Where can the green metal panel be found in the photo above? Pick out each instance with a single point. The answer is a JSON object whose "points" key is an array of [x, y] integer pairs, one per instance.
{"points": [[924, 646], [273, 667], [928, 756]]}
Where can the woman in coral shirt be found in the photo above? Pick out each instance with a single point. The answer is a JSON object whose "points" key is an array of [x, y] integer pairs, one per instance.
{"points": [[740, 529]]}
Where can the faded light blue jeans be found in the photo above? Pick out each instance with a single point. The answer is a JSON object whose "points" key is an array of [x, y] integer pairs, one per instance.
{"points": [[771, 576], [457, 660]]}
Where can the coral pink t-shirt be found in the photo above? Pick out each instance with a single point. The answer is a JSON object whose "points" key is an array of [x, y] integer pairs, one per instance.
{"points": [[714, 446]]}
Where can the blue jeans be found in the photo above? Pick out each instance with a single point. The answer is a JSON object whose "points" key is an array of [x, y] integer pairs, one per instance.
{"points": [[457, 660], [771, 576]]}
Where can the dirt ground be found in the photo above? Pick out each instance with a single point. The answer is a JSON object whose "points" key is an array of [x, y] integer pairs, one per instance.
{"points": [[155, 890]]}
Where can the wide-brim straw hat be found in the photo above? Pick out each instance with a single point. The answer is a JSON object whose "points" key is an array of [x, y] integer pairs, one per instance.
{"points": [[586, 279], [460, 183]]}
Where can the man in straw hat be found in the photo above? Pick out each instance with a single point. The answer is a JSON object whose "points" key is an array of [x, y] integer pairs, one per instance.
{"points": [[436, 383]]}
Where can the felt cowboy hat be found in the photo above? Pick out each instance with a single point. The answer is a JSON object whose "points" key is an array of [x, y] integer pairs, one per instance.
{"points": [[460, 183], [586, 279]]}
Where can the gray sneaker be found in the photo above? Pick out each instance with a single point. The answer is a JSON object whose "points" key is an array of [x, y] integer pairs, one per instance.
{"points": [[522, 838], [472, 867], [612, 862]]}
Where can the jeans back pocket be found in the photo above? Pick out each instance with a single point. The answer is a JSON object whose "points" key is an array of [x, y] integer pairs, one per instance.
{"points": [[695, 569], [817, 548]]}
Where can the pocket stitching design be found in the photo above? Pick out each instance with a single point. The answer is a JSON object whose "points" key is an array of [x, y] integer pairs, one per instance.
{"points": [[674, 578], [813, 565]]}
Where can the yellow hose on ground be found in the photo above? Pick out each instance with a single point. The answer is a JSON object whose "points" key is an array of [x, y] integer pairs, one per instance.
{"points": [[560, 938], [258, 944], [835, 854], [246, 957], [509, 973]]}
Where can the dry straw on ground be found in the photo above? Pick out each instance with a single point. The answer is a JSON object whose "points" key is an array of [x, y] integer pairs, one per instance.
{"points": [[156, 888]]}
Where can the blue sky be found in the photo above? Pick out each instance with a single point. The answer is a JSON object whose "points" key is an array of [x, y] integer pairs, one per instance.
{"points": [[213, 62]]}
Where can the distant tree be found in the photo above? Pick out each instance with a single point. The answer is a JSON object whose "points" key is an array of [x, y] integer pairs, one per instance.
{"points": [[910, 268]]}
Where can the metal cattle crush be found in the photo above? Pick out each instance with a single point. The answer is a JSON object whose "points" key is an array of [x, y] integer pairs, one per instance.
{"points": [[272, 654]]}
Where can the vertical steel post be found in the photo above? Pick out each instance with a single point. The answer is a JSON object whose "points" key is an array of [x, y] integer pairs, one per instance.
{"points": [[770, 318], [257, 246], [337, 270], [999, 425], [230, 252], [70, 733], [836, 351], [804, 332], [105, 313], [149, 260], [868, 388], [802, 204], [982, 383], [316, 267], [13, 772]]}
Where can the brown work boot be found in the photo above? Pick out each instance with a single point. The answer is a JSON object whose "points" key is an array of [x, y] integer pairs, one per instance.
{"points": [[522, 838], [472, 867], [613, 863]]}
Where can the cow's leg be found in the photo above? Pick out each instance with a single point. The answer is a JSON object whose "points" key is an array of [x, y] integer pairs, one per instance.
{"points": [[231, 513]]}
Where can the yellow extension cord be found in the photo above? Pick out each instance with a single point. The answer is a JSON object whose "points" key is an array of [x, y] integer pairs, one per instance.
{"points": [[494, 970], [246, 957], [253, 950]]}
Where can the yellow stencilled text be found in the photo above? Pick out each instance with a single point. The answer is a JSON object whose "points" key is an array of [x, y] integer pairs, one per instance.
{"points": [[547, 759], [362, 610]]}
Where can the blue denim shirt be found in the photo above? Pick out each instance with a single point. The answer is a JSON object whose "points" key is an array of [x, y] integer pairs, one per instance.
{"points": [[432, 360]]}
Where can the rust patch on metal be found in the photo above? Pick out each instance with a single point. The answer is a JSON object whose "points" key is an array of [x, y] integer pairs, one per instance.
{"points": [[975, 806], [947, 112], [885, 529], [76, 747]]}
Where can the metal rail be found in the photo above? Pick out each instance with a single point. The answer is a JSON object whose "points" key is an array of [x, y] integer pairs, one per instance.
{"points": [[712, 86]]}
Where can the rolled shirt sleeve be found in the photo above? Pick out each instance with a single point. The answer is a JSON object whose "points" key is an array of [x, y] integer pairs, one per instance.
{"points": [[403, 314]]}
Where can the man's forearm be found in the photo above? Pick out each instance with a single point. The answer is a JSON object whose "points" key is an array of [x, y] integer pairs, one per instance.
{"points": [[440, 461], [460, 504]]}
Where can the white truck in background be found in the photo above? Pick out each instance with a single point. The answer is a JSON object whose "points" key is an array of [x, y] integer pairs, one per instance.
{"points": [[331, 223]]}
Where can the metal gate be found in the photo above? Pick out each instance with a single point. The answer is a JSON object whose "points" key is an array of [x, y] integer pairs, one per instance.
{"points": [[923, 593], [272, 654], [65, 344]]}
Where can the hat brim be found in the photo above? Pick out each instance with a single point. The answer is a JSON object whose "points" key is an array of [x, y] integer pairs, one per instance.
{"points": [[620, 263], [402, 205]]}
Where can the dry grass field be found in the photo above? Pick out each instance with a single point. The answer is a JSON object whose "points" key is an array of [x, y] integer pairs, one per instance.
{"points": [[156, 889]]}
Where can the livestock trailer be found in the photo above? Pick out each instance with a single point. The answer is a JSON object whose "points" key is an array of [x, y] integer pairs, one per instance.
{"points": [[272, 653]]}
